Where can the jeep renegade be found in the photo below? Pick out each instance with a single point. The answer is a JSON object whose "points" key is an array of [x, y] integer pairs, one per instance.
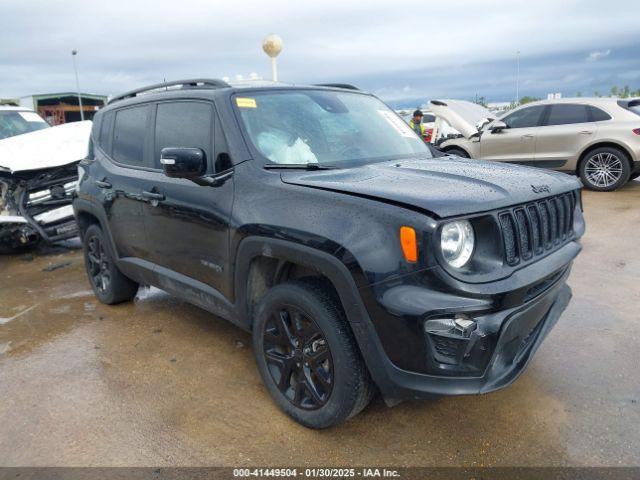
{"points": [[315, 218]]}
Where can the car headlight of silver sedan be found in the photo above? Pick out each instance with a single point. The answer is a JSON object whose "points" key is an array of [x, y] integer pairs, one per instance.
{"points": [[457, 242]]}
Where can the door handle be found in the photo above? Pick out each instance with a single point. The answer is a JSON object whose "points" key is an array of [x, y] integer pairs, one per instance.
{"points": [[103, 183], [528, 135], [586, 132], [158, 197]]}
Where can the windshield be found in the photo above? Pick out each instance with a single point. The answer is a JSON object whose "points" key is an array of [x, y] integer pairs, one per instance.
{"points": [[14, 123], [325, 127]]}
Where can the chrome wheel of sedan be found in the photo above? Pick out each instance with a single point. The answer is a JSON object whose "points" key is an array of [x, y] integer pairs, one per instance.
{"points": [[604, 169]]}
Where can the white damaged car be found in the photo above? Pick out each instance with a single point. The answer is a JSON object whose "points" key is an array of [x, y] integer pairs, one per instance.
{"points": [[38, 175]]}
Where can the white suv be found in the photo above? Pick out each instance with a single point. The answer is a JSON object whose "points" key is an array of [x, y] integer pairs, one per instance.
{"points": [[596, 138]]}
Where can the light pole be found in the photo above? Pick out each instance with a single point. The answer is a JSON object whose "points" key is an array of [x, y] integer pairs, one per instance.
{"points": [[517, 77], [272, 46], [74, 53]]}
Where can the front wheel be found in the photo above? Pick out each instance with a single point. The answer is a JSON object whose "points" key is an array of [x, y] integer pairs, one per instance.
{"points": [[307, 356], [604, 169], [108, 283]]}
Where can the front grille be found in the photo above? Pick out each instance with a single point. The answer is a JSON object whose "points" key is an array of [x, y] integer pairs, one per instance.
{"points": [[535, 228]]}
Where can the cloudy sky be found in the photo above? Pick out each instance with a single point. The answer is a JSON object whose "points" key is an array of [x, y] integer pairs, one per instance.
{"points": [[404, 51]]}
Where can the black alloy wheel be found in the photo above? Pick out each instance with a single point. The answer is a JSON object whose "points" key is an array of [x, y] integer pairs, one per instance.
{"points": [[298, 358], [307, 355], [109, 284], [98, 265]]}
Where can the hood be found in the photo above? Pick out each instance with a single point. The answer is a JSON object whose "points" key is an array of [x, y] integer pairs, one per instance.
{"points": [[50, 147], [445, 186], [462, 115]]}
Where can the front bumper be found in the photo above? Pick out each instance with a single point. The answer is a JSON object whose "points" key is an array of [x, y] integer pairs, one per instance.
{"points": [[517, 332], [50, 225]]}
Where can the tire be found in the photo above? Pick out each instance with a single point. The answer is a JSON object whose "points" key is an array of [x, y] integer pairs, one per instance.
{"points": [[604, 169], [108, 283], [457, 152], [336, 383]]}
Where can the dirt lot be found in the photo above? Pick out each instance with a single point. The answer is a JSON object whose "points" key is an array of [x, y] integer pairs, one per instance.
{"points": [[160, 382]]}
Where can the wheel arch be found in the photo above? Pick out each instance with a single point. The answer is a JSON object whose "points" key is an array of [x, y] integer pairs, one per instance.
{"points": [[456, 147], [84, 220], [603, 144], [87, 214], [263, 262]]}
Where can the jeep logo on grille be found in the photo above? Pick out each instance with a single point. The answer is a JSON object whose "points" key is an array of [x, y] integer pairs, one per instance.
{"points": [[540, 188]]}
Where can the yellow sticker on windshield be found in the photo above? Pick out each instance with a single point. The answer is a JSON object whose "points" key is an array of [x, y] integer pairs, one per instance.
{"points": [[246, 102]]}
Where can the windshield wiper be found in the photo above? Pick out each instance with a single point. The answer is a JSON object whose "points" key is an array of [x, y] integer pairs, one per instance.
{"points": [[298, 166]]}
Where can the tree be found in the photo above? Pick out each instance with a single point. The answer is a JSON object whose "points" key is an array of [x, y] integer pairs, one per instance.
{"points": [[625, 92], [481, 101], [614, 91], [579, 94], [528, 99]]}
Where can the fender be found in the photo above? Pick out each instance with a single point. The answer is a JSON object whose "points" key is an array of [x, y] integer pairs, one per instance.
{"points": [[134, 268], [81, 205], [379, 366], [325, 263], [600, 142]]}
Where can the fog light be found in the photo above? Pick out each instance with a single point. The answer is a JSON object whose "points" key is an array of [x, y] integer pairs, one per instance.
{"points": [[449, 337], [460, 325]]}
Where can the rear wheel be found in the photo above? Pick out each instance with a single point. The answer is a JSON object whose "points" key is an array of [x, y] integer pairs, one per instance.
{"points": [[457, 152], [307, 355], [604, 169], [108, 283]]}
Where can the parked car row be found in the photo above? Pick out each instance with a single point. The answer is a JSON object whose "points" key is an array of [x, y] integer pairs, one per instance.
{"points": [[315, 218]]}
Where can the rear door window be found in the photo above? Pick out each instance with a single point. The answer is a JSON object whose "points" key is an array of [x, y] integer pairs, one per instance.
{"points": [[130, 135], [525, 118], [183, 124], [598, 115], [567, 114]]}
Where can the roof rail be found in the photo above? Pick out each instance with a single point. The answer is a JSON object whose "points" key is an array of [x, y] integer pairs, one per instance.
{"points": [[205, 83], [348, 86]]}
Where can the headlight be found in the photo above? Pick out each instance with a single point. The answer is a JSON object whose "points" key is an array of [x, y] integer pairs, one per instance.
{"points": [[457, 242]]}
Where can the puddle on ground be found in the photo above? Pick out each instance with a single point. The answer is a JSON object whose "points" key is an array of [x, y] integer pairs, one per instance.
{"points": [[60, 309], [5, 320], [82, 293]]}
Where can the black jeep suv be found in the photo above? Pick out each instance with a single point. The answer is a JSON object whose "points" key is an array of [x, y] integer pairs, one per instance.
{"points": [[315, 218]]}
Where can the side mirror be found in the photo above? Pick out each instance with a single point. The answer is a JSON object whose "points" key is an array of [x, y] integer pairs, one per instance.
{"points": [[498, 126], [183, 162]]}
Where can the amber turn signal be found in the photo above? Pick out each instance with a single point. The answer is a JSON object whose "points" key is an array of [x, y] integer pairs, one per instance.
{"points": [[409, 244]]}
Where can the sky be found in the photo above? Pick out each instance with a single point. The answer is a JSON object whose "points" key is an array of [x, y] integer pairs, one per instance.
{"points": [[405, 52]]}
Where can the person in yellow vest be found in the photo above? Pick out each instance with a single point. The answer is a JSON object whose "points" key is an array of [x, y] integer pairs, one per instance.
{"points": [[416, 123]]}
